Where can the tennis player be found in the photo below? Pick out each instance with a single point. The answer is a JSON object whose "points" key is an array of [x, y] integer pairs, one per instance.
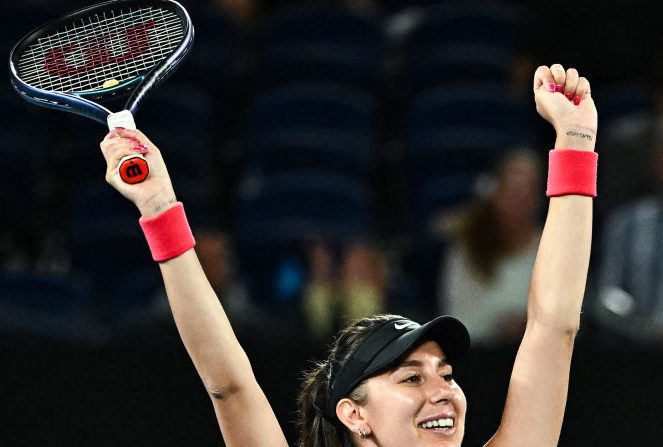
{"points": [[387, 380]]}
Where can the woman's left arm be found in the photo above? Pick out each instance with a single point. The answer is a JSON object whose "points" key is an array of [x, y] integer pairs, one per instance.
{"points": [[538, 387]]}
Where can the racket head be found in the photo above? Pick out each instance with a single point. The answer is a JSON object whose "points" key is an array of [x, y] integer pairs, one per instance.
{"points": [[101, 52]]}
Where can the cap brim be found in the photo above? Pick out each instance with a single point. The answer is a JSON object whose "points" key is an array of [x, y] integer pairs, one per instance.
{"points": [[449, 333]]}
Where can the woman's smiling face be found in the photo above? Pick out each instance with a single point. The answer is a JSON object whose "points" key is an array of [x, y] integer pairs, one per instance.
{"points": [[417, 403]]}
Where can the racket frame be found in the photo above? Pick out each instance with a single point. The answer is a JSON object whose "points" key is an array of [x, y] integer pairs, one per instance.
{"points": [[79, 103]]}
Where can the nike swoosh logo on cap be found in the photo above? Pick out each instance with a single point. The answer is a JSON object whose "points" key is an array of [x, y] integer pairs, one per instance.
{"points": [[400, 326]]}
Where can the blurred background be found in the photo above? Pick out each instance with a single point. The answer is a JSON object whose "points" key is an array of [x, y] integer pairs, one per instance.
{"points": [[336, 159]]}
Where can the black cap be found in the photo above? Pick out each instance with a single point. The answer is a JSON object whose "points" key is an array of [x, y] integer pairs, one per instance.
{"points": [[390, 342]]}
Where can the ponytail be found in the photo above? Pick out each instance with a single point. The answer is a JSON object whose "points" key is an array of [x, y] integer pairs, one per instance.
{"points": [[316, 428]]}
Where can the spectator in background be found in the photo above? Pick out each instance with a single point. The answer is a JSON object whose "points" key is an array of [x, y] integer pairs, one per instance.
{"points": [[488, 266], [629, 302], [218, 261], [353, 288]]}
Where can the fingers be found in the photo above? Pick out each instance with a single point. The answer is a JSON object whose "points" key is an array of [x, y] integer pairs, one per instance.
{"points": [[570, 83], [583, 90], [135, 135], [118, 144], [556, 79], [543, 79], [559, 76], [123, 138]]}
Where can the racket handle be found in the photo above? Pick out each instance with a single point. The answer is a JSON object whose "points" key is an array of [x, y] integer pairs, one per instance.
{"points": [[132, 168]]}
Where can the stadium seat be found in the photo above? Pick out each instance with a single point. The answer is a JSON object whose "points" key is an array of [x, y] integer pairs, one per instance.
{"points": [[292, 206], [456, 41], [320, 43], [458, 62], [311, 126], [461, 127], [495, 23]]}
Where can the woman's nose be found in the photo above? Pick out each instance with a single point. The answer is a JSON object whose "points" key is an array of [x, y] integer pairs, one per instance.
{"points": [[440, 390]]}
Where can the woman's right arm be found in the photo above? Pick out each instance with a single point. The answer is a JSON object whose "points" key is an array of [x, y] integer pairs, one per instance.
{"points": [[242, 410]]}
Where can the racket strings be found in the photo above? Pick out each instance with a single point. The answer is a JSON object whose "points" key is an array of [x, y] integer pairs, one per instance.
{"points": [[107, 47]]}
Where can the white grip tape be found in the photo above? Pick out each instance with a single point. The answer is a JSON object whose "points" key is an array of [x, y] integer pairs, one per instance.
{"points": [[121, 119]]}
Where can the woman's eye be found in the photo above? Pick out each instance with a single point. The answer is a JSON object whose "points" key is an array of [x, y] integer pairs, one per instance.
{"points": [[414, 378], [448, 377]]}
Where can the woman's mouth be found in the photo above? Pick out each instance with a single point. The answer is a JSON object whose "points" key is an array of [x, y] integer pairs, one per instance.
{"points": [[441, 424]]}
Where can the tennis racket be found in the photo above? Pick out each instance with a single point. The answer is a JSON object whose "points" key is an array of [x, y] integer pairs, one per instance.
{"points": [[102, 52]]}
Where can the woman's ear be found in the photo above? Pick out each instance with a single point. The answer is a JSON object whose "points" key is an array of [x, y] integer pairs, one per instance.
{"points": [[351, 414]]}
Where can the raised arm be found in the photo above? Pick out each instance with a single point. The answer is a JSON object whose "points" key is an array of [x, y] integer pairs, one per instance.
{"points": [[243, 412], [538, 388]]}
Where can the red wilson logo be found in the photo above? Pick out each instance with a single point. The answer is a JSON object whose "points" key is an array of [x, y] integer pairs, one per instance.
{"points": [[97, 51]]}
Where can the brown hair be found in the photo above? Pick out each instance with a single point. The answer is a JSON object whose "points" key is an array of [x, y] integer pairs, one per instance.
{"points": [[318, 424]]}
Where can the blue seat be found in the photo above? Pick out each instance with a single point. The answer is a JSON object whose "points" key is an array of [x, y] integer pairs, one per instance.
{"points": [[462, 41], [462, 127], [458, 62], [495, 23], [448, 150], [312, 125], [296, 205], [487, 105], [47, 305], [320, 43]]}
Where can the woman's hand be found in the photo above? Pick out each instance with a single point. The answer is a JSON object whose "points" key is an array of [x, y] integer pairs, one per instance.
{"points": [[153, 195], [564, 99]]}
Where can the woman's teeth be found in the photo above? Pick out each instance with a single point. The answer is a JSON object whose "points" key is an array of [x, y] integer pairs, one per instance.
{"points": [[439, 423]]}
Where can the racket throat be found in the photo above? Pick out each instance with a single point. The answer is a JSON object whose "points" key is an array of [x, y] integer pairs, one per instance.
{"points": [[121, 119]]}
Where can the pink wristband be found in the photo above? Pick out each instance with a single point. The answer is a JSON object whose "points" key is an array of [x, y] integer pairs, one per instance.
{"points": [[572, 171], [168, 234]]}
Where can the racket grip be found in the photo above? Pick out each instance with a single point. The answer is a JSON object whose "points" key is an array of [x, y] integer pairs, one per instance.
{"points": [[132, 168]]}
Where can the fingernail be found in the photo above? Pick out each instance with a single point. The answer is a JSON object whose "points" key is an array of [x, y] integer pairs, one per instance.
{"points": [[576, 100], [135, 140], [120, 128], [551, 88], [569, 96], [140, 148], [559, 87]]}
